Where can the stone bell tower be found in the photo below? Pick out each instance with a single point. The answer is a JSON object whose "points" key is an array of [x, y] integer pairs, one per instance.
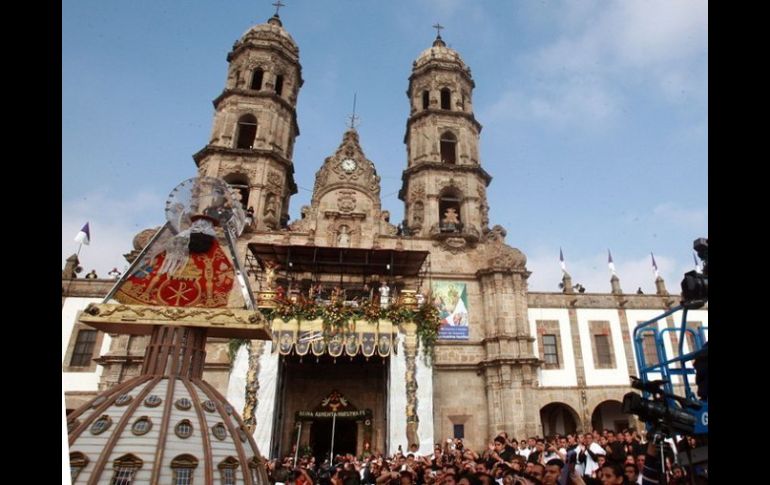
{"points": [[444, 186], [255, 123]]}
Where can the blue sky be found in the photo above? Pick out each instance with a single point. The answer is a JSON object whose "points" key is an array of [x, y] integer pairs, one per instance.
{"points": [[595, 116]]}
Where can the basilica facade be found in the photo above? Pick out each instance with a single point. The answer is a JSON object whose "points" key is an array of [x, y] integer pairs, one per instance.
{"points": [[507, 359]]}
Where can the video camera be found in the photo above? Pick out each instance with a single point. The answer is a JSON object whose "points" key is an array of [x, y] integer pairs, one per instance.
{"points": [[695, 286], [657, 412]]}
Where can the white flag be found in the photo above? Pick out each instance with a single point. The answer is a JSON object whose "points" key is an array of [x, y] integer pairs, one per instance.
{"points": [[84, 236], [610, 263]]}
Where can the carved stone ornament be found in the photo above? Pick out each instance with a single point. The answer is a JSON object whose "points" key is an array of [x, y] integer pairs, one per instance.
{"points": [[274, 178], [452, 244], [507, 257], [346, 201], [496, 234], [457, 184], [418, 191], [140, 319]]}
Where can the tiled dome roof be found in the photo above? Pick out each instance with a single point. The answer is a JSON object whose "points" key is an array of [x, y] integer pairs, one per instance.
{"points": [[271, 30], [192, 425], [439, 52]]}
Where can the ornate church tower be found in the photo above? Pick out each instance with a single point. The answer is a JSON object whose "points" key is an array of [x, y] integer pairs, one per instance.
{"points": [[345, 210], [444, 186], [255, 123]]}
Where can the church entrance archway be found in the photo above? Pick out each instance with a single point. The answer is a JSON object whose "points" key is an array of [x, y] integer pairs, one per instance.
{"points": [[312, 389], [345, 437]]}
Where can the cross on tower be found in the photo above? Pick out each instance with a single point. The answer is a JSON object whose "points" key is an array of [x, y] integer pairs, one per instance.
{"points": [[438, 28], [353, 117], [278, 6]]}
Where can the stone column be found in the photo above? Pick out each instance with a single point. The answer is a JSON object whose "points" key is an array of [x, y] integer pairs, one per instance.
{"points": [[615, 282], [410, 355], [252, 385], [660, 286]]}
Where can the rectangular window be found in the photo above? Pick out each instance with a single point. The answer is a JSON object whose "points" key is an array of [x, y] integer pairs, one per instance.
{"points": [[550, 351], [183, 476], [84, 349], [650, 349], [123, 475], [228, 476], [604, 357], [459, 431]]}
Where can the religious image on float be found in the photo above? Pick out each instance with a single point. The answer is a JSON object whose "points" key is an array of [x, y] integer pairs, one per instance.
{"points": [[451, 299]]}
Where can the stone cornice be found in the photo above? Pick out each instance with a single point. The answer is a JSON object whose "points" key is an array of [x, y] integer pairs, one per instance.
{"points": [[289, 54], [440, 112], [602, 300], [499, 361], [441, 167], [502, 269], [86, 288], [209, 150], [251, 93], [506, 336], [440, 65]]}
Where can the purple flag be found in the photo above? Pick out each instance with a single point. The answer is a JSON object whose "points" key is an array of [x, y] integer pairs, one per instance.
{"points": [[84, 236]]}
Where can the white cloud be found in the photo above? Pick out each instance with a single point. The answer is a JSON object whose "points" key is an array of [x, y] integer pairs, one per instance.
{"points": [[690, 218], [577, 101], [605, 50], [113, 224]]}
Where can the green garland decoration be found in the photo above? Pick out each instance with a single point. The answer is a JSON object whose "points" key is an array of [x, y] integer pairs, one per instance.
{"points": [[337, 317], [233, 346]]}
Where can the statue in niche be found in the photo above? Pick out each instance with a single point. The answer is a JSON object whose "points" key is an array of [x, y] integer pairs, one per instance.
{"points": [[343, 237], [271, 205], [451, 220]]}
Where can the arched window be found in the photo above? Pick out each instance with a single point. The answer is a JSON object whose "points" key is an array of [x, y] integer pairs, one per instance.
{"points": [[247, 131], [125, 468], [184, 468], [448, 147], [425, 99], [279, 84], [227, 468], [446, 98], [256, 79], [240, 183], [78, 461], [449, 211]]}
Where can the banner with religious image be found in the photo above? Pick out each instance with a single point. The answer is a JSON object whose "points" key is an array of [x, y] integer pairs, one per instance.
{"points": [[451, 299]]}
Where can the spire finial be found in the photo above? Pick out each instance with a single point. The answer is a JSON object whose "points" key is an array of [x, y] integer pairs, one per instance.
{"points": [[278, 6], [439, 42], [438, 28], [353, 117]]}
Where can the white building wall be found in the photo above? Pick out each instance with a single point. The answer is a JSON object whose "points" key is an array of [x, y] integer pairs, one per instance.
{"points": [[567, 376], [602, 377], [79, 381], [268, 378], [397, 400]]}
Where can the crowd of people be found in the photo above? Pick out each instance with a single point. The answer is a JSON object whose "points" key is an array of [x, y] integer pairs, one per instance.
{"points": [[604, 458]]}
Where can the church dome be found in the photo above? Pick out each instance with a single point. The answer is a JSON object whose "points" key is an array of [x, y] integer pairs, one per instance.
{"points": [[439, 53], [155, 433], [271, 31]]}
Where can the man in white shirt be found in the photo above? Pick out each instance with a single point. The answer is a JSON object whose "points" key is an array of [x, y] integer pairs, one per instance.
{"points": [[588, 454]]}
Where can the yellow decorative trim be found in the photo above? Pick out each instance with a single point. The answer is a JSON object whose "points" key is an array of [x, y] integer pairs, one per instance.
{"points": [[140, 319]]}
